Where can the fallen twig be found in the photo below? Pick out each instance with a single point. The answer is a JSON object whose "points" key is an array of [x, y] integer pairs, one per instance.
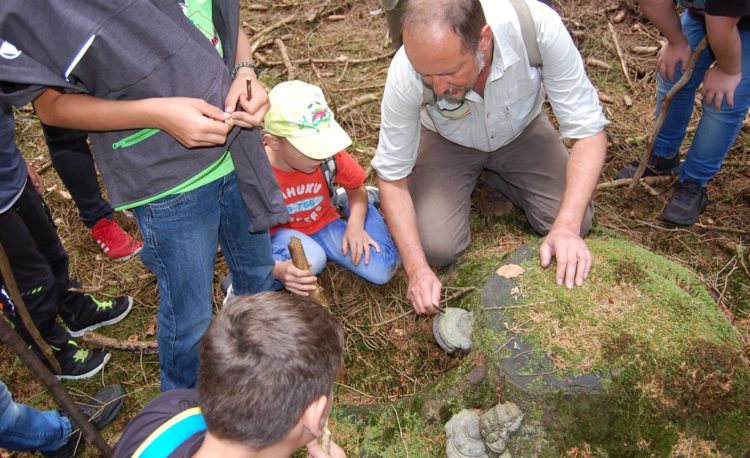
{"points": [[290, 73], [651, 181], [623, 64], [361, 100], [148, 347], [112, 283], [731, 230], [335, 60]]}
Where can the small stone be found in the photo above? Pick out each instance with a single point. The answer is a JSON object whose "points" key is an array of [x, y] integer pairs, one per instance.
{"points": [[464, 438], [496, 425], [452, 330]]}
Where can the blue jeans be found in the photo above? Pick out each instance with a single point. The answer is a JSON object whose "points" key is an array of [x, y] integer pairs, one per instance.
{"points": [[717, 130], [181, 234], [24, 428], [326, 244]]}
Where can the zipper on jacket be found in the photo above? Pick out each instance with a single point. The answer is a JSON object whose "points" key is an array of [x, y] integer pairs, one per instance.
{"points": [[137, 137]]}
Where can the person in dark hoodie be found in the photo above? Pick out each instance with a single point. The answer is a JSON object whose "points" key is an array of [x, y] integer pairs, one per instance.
{"points": [[169, 95]]}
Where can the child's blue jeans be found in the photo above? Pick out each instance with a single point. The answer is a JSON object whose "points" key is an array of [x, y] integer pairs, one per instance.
{"points": [[326, 244], [24, 428], [181, 234], [717, 130]]}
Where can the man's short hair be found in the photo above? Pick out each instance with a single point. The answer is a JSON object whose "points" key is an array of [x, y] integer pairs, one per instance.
{"points": [[264, 359], [464, 17]]}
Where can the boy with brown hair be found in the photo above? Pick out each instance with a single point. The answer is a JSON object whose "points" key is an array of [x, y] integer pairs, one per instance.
{"points": [[265, 383]]}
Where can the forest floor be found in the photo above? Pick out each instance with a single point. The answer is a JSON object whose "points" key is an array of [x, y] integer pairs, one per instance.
{"points": [[343, 46]]}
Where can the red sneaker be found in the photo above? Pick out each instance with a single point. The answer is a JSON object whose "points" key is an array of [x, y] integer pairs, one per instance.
{"points": [[116, 243]]}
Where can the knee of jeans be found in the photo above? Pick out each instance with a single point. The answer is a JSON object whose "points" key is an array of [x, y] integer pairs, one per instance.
{"points": [[317, 261]]}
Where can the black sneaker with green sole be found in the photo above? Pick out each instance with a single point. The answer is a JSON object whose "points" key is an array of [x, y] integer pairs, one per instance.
{"points": [[99, 313], [79, 363]]}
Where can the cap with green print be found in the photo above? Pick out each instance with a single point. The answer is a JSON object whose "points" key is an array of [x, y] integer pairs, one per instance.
{"points": [[300, 114]]}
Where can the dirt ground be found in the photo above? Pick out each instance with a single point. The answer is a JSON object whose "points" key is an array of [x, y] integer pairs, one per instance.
{"points": [[343, 46]]}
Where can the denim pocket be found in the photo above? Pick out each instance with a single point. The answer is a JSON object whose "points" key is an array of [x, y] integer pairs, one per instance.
{"points": [[169, 202]]}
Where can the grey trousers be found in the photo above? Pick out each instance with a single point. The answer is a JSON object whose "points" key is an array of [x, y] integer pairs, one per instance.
{"points": [[530, 171]]}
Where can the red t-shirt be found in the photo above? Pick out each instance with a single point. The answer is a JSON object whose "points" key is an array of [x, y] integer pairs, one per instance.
{"points": [[307, 198]]}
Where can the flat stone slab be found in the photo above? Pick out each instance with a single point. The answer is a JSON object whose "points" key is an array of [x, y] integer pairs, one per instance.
{"points": [[527, 367]]}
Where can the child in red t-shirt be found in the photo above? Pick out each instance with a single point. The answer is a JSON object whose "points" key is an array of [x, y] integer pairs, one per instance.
{"points": [[301, 133]]}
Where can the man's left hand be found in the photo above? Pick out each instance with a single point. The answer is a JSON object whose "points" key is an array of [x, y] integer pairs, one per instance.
{"points": [[572, 254]]}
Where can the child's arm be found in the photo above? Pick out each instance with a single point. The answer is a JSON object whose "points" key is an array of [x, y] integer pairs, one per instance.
{"points": [[677, 50], [252, 98], [297, 281], [722, 79], [192, 122], [355, 237]]}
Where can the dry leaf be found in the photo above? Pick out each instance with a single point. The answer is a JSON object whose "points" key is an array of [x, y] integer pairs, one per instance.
{"points": [[510, 271]]}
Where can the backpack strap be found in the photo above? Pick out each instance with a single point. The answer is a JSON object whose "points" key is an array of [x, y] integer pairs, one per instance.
{"points": [[329, 172], [528, 34], [169, 436]]}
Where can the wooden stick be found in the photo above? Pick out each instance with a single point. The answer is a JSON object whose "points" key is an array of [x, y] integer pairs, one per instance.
{"points": [[651, 181], [110, 283], [300, 261], [290, 73], [15, 296], [18, 346], [148, 347], [334, 60], [687, 72], [623, 64], [361, 100]]}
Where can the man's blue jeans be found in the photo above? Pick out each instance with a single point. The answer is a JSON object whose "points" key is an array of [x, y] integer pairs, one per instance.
{"points": [[181, 234], [717, 130], [326, 244], [24, 428]]}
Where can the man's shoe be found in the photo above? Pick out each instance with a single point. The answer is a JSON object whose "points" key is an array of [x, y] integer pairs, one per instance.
{"points": [[117, 244], [687, 203], [657, 166], [99, 313], [78, 363], [101, 409]]}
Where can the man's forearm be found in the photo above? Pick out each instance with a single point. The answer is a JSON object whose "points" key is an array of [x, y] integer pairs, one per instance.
{"points": [[398, 210], [81, 111], [724, 39], [584, 167], [664, 16]]}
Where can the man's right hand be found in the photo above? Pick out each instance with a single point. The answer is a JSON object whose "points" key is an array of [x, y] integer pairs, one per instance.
{"points": [[670, 55], [424, 291], [314, 450]]}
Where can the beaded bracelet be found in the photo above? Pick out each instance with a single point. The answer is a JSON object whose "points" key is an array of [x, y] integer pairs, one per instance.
{"points": [[242, 65]]}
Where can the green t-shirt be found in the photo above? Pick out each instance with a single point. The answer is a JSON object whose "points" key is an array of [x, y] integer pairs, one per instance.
{"points": [[200, 14]]}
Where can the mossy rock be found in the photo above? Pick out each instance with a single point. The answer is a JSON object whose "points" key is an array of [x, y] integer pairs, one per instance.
{"points": [[657, 367], [632, 362]]}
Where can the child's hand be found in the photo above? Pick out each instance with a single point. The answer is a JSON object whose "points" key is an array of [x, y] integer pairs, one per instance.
{"points": [[358, 241], [297, 281], [193, 122], [314, 450], [718, 86], [36, 180], [247, 92]]}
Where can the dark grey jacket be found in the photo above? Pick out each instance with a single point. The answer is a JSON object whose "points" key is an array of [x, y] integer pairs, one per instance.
{"points": [[130, 50]]}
